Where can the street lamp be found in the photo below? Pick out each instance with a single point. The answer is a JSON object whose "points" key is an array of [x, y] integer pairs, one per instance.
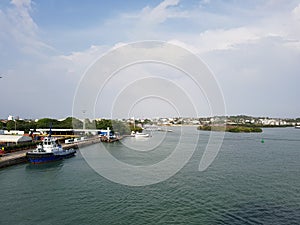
{"points": [[84, 111]]}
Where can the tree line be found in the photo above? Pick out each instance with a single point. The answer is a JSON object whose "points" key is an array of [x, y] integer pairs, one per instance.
{"points": [[69, 123]]}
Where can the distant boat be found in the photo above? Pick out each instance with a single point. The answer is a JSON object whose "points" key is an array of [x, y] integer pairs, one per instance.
{"points": [[152, 128], [297, 127], [141, 135], [49, 151], [156, 128]]}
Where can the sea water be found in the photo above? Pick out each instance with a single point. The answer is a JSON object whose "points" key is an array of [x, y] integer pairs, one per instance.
{"points": [[249, 182]]}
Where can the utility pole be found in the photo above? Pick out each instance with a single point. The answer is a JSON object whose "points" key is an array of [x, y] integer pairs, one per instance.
{"points": [[83, 111]]}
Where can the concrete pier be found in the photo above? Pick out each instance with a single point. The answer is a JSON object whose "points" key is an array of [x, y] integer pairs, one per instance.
{"points": [[13, 158]]}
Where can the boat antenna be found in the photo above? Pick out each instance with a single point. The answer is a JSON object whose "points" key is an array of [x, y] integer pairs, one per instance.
{"points": [[50, 132]]}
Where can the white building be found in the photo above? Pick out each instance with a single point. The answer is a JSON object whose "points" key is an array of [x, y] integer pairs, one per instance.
{"points": [[14, 132], [13, 139], [10, 117]]}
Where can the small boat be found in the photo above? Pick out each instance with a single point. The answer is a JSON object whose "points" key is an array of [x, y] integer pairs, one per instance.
{"points": [[141, 135], [49, 151], [297, 127]]}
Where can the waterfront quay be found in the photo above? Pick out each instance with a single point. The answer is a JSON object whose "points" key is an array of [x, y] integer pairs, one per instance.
{"points": [[14, 158], [18, 157]]}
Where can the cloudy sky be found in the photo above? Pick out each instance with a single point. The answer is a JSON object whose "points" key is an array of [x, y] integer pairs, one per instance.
{"points": [[251, 46]]}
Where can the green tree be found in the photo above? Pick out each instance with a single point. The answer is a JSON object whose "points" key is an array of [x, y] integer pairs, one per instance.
{"points": [[76, 123], [89, 124], [103, 124], [121, 127], [70, 123], [25, 125], [10, 125], [46, 123], [136, 128], [66, 123]]}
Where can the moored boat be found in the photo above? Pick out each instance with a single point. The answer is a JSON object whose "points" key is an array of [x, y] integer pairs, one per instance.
{"points": [[49, 151], [141, 135]]}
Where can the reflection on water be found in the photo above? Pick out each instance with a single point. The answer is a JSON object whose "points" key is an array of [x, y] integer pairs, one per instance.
{"points": [[144, 151], [55, 165]]}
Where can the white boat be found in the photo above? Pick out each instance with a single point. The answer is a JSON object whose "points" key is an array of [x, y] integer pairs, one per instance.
{"points": [[297, 127], [152, 128], [156, 128], [141, 135]]}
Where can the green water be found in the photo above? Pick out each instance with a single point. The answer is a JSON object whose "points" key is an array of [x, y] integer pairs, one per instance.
{"points": [[248, 183]]}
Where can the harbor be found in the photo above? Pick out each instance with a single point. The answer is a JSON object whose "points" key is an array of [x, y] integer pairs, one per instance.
{"points": [[66, 140], [18, 157], [150, 112]]}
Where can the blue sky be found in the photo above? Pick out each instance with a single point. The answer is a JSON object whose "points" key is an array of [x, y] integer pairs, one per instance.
{"points": [[252, 47]]}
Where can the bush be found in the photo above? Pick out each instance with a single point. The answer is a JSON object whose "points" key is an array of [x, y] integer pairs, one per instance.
{"points": [[19, 147]]}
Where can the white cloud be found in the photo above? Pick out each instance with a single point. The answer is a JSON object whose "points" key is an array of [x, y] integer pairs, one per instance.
{"points": [[21, 32], [203, 3], [192, 48], [87, 55], [221, 39], [282, 25], [22, 26], [236, 50], [159, 14], [296, 12], [22, 3], [214, 36]]}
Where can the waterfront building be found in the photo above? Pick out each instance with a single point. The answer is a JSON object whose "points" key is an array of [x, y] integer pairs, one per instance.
{"points": [[7, 140]]}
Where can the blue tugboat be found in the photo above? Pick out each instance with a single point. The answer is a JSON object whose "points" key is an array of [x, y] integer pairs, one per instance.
{"points": [[49, 151]]}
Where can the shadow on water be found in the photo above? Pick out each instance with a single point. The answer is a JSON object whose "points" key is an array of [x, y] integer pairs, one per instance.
{"points": [[56, 165]]}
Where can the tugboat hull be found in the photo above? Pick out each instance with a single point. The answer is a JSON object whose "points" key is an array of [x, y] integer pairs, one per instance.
{"points": [[36, 158]]}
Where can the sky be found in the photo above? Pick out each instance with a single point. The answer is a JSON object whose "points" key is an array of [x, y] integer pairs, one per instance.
{"points": [[252, 47]]}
